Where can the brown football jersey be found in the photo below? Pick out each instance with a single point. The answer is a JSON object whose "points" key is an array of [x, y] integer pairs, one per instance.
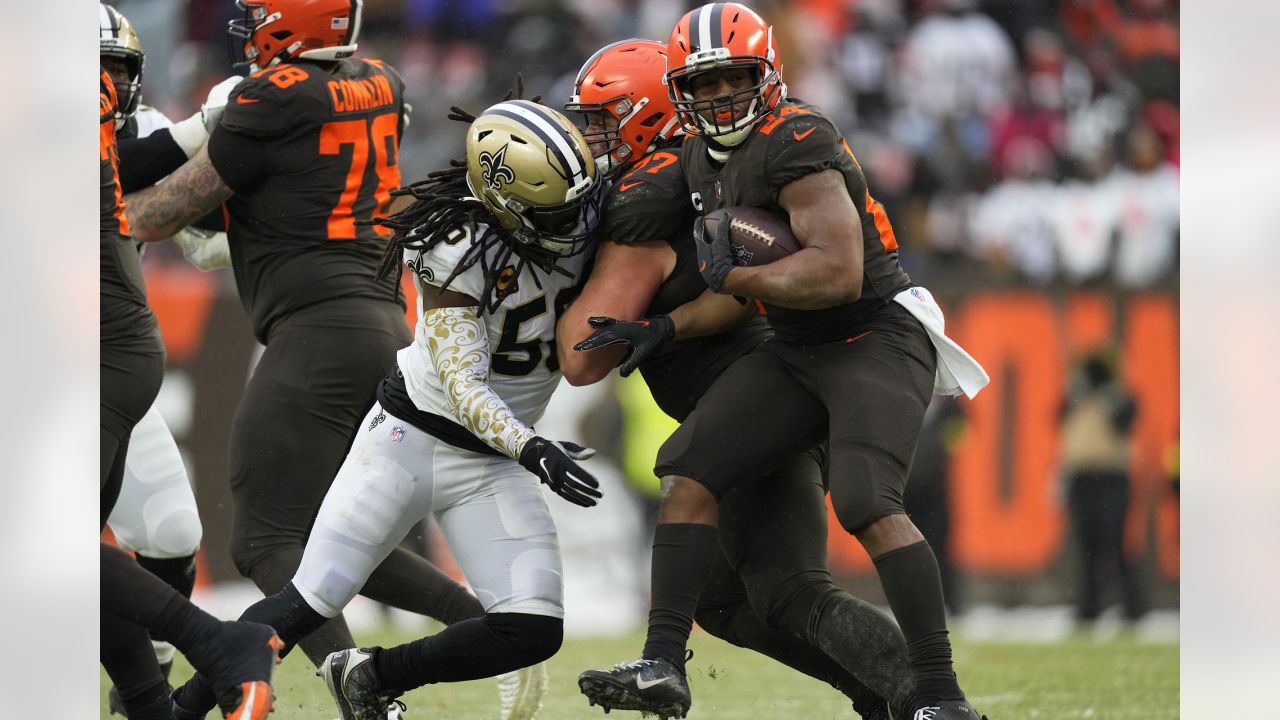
{"points": [[793, 141], [124, 318], [651, 202], [311, 152]]}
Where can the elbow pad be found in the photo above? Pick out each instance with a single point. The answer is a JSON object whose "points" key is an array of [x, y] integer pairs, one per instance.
{"points": [[458, 347]]}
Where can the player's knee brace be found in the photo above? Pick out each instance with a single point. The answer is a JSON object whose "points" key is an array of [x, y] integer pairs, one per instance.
{"points": [[176, 535], [532, 638]]}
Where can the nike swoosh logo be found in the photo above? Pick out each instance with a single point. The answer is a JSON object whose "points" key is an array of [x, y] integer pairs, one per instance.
{"points": [[642, 684], [543, 462], [702, 266], [803, 135], [242, 100], [627, 186]]}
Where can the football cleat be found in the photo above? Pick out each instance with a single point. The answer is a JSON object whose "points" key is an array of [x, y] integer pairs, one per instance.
{"points": [[652, 686], [520, 692], [246, 655], [947, 710], [353, 683]]}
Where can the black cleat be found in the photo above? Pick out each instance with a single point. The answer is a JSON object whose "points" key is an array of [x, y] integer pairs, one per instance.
{"points": [[353, 683], [947, 710], [652, 686]]}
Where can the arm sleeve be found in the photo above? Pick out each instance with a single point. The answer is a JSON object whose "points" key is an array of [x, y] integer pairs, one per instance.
{"points": [[145, 161], [239, 159], [458, 349]]}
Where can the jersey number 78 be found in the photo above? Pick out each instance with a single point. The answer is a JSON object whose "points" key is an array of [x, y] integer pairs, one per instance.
{"points": [[360, 134]]}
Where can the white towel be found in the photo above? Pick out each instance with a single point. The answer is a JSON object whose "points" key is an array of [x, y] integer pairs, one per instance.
{"points": [[957, 372]]}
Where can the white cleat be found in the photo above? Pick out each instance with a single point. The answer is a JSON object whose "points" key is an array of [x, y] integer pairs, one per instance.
{"points": [[520, 692]]}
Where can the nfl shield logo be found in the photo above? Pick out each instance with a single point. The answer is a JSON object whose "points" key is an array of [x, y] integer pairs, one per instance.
{"points": [[397, 433]]}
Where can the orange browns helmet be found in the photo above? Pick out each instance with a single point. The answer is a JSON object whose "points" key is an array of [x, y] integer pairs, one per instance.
{"points": [[625, 80], [717, 36], [276, 31]]}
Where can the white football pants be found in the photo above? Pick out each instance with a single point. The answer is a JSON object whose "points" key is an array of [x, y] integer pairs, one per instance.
{"points": [[156, 514], [490, 509]]}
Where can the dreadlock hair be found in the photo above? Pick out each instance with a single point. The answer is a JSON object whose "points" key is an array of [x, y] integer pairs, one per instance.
{"points": [[443, 210]]}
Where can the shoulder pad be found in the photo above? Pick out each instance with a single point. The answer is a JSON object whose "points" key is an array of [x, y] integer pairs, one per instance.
{"points": [[651, 202], [273, 101]]}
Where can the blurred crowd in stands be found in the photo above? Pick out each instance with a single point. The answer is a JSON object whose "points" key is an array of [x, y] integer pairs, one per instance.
{"points": [[1027, 142]]}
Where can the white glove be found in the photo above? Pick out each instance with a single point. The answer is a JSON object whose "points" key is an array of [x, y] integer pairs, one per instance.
{"points": [[205, 249], [190, 134], [213, 105]]}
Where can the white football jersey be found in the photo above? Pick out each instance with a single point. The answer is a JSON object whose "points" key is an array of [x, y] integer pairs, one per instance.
{"points": [[523, 369]]}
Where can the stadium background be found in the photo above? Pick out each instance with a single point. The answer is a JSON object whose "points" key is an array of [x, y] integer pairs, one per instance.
{"points": [[1027, 153]]}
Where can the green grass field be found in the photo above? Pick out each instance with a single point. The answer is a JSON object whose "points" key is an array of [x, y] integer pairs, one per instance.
{"points": [[1119, 679]]}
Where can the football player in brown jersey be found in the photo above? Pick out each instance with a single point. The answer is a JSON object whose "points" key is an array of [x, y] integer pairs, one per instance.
{"points": [[850, 327], [306, 147], [238, 657], [770, 589]]}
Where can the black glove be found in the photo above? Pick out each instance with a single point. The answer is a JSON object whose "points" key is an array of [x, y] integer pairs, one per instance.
{"points": [[715, 258], [644, 337], [553, 463]]}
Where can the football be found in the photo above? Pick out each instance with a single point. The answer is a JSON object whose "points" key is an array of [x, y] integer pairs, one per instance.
{"points": [[757, 236]]}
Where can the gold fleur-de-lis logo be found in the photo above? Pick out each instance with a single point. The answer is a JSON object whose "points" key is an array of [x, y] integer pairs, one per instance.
{"points": [[495, 172]]}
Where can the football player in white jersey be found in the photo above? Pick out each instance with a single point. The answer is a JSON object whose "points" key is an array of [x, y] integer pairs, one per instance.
{"points": [[497, 248]]}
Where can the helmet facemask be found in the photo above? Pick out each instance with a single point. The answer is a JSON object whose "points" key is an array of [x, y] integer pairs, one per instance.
{"points": [[727, 119], [531, 168], [601, 125]]}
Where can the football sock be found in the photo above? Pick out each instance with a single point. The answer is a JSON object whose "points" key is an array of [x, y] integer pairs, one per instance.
{"points": [[867, 644], [271, 574], [178, 573], [469, 650], [290, 615], [410, 582], [286, 612], [140, 597], [126, 654], [913, 585], [739, 625], [683, 556]]}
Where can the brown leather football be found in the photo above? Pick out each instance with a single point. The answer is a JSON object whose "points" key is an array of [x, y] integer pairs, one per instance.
{"points": [[756, 236]]}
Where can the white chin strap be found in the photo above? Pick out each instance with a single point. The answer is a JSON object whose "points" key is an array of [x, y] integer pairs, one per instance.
{"points": [[740, 130]]}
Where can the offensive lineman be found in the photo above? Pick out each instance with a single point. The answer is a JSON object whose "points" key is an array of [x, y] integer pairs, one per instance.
{"points": [[155, 516], [770, 590], [239, 657], [307, 145], [849, 328], [496, 249]]}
